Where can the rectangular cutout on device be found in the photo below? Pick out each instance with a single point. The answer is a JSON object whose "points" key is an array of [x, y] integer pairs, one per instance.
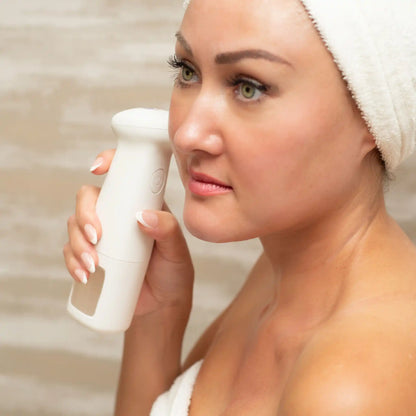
{"points": [[85, 297]]}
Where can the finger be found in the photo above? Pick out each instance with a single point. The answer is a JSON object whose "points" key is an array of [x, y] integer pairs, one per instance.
{"points": [[85, 213], [74, 267], [81, 249], [164, 228], [102, 162]]}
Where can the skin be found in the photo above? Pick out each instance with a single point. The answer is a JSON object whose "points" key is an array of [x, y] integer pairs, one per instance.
{"points": [[324, 322]]}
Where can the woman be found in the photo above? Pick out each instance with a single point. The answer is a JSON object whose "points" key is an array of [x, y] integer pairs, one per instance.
{"points": [[271, 144]]}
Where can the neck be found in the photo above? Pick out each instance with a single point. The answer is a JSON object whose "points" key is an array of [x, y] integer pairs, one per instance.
{"points": [[314, 267]]}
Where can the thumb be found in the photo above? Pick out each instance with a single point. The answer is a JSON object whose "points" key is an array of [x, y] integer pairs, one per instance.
{"points": [[164, 228]]}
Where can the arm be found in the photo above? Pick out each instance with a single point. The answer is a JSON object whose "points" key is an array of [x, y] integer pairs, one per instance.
{"points": [[151, 360], [153, 343]]}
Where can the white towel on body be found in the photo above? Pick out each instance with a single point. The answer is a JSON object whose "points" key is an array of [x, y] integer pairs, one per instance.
{"points": [[176, 401]]}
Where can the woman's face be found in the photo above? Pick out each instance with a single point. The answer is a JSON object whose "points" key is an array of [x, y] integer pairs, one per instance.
{"points": [[264, 132]]}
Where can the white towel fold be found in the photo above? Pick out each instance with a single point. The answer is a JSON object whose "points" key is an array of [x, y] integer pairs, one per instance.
{"points": [[176, 401]]}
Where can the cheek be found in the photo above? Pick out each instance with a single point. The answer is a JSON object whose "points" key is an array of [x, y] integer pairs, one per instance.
{"points": [[299, 170], [272, 154], [323, 132]]}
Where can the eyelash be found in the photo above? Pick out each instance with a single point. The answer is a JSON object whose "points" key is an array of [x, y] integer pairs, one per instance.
{"points": [[178, 64], [235, 81], [174, 62]]}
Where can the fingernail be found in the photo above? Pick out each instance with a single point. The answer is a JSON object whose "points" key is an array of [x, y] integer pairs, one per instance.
{"points": [[82, 276], [147, 218], [89, 262], [91, 233], [98, 162]]}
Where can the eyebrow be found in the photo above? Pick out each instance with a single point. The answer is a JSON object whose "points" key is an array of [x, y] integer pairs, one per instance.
{"points": [[184, 43], [233, 57]]}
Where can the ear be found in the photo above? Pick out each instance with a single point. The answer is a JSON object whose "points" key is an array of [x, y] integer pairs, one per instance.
{"points": [[371, 153], [368, 142]]}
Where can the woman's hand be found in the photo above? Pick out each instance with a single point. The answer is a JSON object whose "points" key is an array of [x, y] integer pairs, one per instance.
{"points": [[169, 279]]}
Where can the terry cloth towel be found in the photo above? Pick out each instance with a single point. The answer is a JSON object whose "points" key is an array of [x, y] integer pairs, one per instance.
{"points": [[373, 42], [176, 401]]}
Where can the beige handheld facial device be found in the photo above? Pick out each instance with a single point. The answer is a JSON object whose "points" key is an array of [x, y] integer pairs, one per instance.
{"points": [[136, 181]]}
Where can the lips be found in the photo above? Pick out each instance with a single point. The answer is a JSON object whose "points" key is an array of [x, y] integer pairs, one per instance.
{"points": [[205, 185]]}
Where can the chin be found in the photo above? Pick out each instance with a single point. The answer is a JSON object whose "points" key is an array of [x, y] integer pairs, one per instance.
{"points": [[204, 232], [215, 230]]}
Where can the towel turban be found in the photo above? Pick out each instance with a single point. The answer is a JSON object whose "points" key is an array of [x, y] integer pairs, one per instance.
{"points": [[373, 43]]}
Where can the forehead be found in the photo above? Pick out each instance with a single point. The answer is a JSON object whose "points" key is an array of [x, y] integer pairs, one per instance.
{"points": [[234, 23]]}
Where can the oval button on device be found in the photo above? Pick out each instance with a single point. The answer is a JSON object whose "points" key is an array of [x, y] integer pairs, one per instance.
{"points": [[158, 180]]}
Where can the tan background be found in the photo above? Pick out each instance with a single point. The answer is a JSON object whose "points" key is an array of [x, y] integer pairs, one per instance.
{"points": [[65, 69]]}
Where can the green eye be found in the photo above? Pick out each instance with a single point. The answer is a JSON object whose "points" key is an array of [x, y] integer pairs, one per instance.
{"points": [[187, 74], [248, 91]]}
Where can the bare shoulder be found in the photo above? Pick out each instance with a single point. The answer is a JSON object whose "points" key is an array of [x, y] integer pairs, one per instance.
{"points": [[357, 366]]}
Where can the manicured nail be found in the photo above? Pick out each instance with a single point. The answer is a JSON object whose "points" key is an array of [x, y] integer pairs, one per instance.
{"points": [[91, 233], [98, 162], [147, 218], [82, 276], [89, 262]]}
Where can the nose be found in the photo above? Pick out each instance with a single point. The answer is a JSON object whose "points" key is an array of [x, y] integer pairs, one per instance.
{"points": [[199, 126]]}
